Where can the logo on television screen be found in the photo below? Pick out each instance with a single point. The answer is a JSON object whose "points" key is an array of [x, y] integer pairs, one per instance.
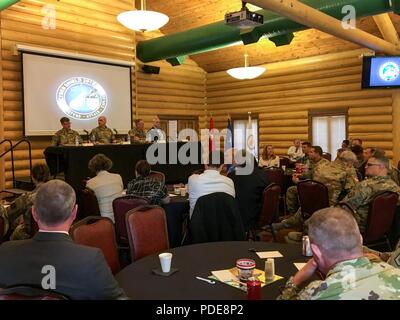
{"points": [[389, 71], [81, 98]]}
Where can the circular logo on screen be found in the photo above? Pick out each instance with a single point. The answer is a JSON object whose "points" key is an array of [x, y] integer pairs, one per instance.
{"points": [[389, 71], [81, 98]]}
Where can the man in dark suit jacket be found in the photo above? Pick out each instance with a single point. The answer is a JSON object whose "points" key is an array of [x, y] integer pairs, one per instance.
{"points": [[249, 190], [51, 259]]}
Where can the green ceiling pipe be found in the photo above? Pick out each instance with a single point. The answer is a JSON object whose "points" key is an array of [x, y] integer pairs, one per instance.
{"points": [[6, 3], [277, 28]]}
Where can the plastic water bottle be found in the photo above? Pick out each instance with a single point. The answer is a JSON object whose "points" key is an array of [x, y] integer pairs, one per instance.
{"points": [[128, 138], [93, 138], [76, 140]]}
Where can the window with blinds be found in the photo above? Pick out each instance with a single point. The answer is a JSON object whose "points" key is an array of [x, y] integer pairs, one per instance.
{"points": [[328, 132], [239, 135]]}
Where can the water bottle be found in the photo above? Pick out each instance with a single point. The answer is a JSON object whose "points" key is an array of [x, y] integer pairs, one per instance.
{"points": [[93, 138], [128, 138], [76, 140]]}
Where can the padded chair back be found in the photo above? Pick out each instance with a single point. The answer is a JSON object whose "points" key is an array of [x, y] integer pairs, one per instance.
{"points": [[98, 232], [1, 229], [270, 208], [313, 195], [216, 217], [275, 175], [89, 204], [327, 156], [284, 161], [121, 206], [380, 216], [29, 293], [156, 175], [147, 231]]}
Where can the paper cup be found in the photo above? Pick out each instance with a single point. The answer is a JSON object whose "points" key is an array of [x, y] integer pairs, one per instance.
{"points": [[183, 192], [165, 261]]}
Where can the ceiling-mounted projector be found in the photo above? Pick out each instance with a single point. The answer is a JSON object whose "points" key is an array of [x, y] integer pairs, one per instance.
{"points": [[244, 19]]}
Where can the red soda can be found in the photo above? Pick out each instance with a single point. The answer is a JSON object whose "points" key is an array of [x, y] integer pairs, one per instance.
{"points": [[307, 247], [253, 289]]}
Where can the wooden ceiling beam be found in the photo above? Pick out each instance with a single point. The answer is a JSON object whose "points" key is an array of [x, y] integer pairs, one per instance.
{"points": [[387, 28], [300, 13]]}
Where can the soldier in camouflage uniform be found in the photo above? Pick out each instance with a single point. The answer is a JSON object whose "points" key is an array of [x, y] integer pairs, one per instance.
{"points": [[339, 177], [102, 133], [361, 196], [337, 250], [66, 135], [137, 133], [19, 209], [305, 146]]}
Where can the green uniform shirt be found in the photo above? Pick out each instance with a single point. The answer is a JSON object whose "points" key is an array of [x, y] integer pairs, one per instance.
{"points": [[62, 137], [102, 135]]}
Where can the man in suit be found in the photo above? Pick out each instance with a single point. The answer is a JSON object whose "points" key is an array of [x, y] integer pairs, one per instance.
{"points": [[51, 259]]}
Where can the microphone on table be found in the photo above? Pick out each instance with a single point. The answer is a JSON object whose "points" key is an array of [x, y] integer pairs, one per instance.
{"points": [[115, 130]]}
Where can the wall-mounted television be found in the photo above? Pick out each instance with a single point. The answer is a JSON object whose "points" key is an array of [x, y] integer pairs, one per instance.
{"points": [[381, 72]]}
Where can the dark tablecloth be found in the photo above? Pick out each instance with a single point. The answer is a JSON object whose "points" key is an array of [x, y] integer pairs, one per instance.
{"points": [[140, 283], [73, 161]]}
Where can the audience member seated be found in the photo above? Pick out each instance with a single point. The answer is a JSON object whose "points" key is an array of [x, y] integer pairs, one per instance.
{"points": [[102, 134], [359, 152], [75, 271], [306, 147], [345, 144], [144, 186], [249, 191], [66, 135], [339, 177], [105, 185], [367, 153], [20, 207], [392, 258], [210, 181], [378, 181], [137, 133], [336, 245], [356, 142], [295, 152], [269, 158]]}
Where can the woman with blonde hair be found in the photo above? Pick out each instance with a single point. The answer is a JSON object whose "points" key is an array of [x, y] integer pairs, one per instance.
{"points": [[269, 158]]}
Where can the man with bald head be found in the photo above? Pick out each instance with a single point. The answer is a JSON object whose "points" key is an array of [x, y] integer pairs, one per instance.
{"points": [[79, 272], [155, 133], [336, 245], [102, 133]]}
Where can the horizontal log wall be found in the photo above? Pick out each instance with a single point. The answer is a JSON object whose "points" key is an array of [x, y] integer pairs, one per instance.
{"points": [[286, 93], [178, 90], [87, 27]]}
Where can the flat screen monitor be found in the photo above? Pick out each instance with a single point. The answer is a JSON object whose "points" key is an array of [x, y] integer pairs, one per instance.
{"points": [[381, 72]]}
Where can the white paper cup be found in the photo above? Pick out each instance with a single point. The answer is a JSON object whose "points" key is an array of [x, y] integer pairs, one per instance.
{"points": [[165, 260], [283, 168]]}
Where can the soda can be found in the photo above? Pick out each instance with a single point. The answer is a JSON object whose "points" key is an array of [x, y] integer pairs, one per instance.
{"points": [[306, 247], [253, 289]]}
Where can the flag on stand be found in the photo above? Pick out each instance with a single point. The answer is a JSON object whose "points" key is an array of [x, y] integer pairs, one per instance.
{"points": [[228, 146], [211, 144], [249, 136]]}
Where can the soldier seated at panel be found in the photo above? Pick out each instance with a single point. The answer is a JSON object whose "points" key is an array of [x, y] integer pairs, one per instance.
{"points": [[138, 134], [102, 134], [66, 135]]}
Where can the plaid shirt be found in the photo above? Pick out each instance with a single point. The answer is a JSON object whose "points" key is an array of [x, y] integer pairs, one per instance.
{"points": [[151, 189]]}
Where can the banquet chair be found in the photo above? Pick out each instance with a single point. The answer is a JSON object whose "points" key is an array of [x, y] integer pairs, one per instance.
{"points": [[277, 176], [269, 211], [121, 206], [156, 175], [285, 161], [327, 156], [313, 195], [380, 219], [216, 217], [147, 231], [89, 205], [24, 292], [98, 232]]}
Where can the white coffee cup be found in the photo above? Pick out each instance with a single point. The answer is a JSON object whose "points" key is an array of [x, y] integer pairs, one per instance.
{"points": [[183, 192], [283, 168], [165, 260]]}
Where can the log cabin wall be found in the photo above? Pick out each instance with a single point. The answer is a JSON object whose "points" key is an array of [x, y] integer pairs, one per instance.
{"points": [[175, 91], [86, 27], [286, 94]]}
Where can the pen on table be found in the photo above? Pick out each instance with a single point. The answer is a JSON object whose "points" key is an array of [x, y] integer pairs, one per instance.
{"points": [[206, 280]]}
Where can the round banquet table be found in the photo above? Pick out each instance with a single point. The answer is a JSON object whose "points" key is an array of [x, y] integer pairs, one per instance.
{"points": [[140, 283]]}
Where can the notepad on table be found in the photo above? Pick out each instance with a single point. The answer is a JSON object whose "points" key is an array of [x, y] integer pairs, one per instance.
{"points": [[269, 254]]}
